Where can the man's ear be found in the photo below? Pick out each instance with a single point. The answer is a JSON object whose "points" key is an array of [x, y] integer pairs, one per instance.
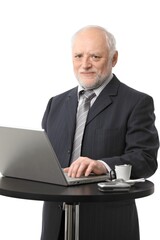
{"points": [[115, 59]]}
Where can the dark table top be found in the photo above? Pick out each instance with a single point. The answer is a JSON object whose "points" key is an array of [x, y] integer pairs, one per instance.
{"points": [[25, 189]]}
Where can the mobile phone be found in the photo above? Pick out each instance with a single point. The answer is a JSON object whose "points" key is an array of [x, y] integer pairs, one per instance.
{"points": [[113, 186]]}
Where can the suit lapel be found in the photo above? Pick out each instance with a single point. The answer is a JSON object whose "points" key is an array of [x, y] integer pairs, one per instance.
{"points": [[104, 99], [102, 102]]}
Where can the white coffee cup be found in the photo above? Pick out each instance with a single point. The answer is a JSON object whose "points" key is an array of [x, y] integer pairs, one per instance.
{"points": [[123, 171]]}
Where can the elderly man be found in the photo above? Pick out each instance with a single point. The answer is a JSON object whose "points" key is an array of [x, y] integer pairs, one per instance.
{"points": [[118, 128]]}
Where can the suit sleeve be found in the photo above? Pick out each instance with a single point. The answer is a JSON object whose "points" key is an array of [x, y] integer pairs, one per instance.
{"points": [[44, 120], [141, 142]]}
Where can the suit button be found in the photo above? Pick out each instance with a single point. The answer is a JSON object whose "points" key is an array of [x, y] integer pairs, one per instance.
{"points": [[60, 207], [68, 151]]}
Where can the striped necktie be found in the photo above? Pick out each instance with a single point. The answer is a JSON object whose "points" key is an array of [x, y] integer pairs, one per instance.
{"points": [[80, 123]]}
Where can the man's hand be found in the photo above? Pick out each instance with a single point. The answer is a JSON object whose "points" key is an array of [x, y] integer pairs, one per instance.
{"points": [[84, 166]]}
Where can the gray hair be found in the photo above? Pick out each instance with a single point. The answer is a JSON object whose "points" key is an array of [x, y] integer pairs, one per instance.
{"points": [[110, 39]]}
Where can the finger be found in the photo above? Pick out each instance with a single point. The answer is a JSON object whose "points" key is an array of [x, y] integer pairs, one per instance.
{"points": [[78, 168], [66, 169], [73, 169], [95, 167], [90, 169], [82, 169]]}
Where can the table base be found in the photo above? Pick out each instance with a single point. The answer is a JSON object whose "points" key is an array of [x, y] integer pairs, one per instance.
{"points": [[71, 221]]}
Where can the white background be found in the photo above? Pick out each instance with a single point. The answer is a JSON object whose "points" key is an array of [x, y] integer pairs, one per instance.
{"points": [[35, 64]]}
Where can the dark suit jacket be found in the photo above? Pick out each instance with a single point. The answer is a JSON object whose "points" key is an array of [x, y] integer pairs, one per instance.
{"points": [[119, 130]]}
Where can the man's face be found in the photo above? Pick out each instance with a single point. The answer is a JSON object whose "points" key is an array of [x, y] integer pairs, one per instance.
{"points": [[91, 60]]}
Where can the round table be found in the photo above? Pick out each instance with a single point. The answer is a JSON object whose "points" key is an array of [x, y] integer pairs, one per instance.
{"points": [[71, 196]]}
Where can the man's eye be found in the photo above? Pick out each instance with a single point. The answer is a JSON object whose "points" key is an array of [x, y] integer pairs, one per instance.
{"points": [[78, 56], [96, 57]]}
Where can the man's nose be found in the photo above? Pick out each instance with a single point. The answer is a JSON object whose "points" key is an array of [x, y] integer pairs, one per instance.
{"points": [[86, 63]]}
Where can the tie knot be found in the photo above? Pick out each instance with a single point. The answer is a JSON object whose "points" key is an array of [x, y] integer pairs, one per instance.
{"points": [[89, 94]]}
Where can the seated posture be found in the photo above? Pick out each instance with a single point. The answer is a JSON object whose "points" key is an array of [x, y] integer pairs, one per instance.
{"points": [[93, 127]]}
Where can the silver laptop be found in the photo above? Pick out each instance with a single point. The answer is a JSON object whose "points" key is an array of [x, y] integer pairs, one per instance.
{"points": [[28, 154]]}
